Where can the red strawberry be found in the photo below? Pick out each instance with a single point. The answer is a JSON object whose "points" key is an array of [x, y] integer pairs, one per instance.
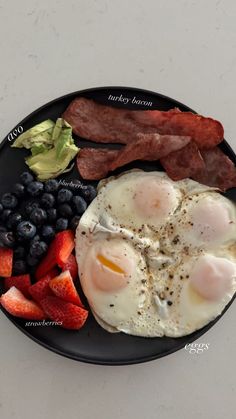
{"points": [[48, 263], [16, 304], [40, 289], [21, 282], [70, 315], [71, 265], [6, 259], [64, 244], [57, 254], [63, 287], [51, 274]]}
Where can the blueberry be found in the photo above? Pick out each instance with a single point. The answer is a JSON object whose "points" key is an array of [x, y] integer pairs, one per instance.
{"points": [[19, 252], [13, 220], [38, 216], [26, 230], [47, 232], [36, 238], [31, 261], [38, 249], [52, 214], [51, 185], [65, 210], [5, 214], [47, 200], [3, 229], [18, 190], [26, 178], [64, 195], [30, 206], [9, 201], [88, 192], [35, 188], [61, 224], [19, 267], [74, 222], [1, 208], [79, 204], [7, 239]]}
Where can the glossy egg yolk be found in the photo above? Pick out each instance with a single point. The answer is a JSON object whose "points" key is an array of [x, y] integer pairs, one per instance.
{"points": [[212, 277], [210, 219], [111, 266], [155, 199]]}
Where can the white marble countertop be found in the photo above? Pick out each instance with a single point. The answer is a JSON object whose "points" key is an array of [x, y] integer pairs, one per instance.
{"points": [[182, 48]]}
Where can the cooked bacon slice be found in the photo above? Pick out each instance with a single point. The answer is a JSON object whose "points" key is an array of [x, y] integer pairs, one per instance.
{"points": [[96, 163], [107, 124], [219, 170], [184, 163], [149, 147]]}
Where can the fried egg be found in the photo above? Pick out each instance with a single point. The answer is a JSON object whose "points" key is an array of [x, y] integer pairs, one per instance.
{"points": [[157, 257]]}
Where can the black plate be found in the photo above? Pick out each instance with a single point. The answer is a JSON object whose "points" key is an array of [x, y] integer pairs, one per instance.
{"points": [[93, 344]]}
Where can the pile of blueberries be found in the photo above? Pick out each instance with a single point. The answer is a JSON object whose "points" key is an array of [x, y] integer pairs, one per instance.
{"points": [[33, 212]]}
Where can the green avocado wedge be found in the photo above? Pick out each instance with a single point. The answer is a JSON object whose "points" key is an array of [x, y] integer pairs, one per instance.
{"points": [[52, 148]]}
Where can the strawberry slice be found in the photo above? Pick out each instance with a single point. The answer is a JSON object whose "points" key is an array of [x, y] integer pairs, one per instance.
{"points": [[70, 315], [71, 265], [51, 274], [16, 304], [21, 282], [6, 260], [63, 287], [41, 289], [57, 254], [64, 243], [48, 263]]}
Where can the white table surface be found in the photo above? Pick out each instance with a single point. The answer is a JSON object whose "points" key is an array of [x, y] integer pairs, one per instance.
{"points": [[184, 49]]}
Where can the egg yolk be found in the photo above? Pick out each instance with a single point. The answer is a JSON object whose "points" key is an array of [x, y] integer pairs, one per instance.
{"points": [[210, 219], [111, 266], [155, 199], [212, 277]]}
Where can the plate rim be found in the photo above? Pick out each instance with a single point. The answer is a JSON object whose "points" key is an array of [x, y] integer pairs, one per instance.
{"points": [[81, 358]]}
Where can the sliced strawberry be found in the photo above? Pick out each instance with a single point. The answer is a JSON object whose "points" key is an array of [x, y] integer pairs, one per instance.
{"points": [[6, 259], [41, 289], [48, 263], [21, 282], [64, 243], [71, 265], [57, 254], [70, 315], [16, 304], [63, 287], [51, 274]]}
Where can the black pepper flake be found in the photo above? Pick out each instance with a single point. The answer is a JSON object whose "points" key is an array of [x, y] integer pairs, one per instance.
{"points": [[175, 240], [171, 276], [187, 276], [143, 281], [171, 293], [139, 312], [111, 305], [109, 206], [83, 232], [169, 303], [181, 276], [167, 288]]}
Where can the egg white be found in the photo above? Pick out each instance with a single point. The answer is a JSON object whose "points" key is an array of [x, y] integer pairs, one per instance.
{"points": [[168, 305]]}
